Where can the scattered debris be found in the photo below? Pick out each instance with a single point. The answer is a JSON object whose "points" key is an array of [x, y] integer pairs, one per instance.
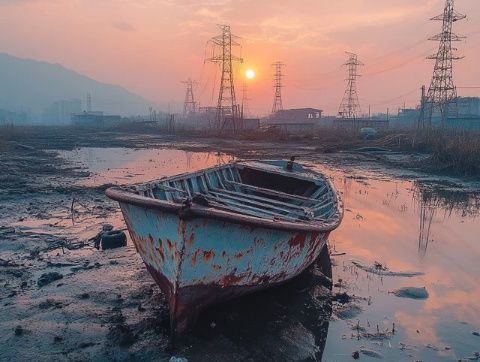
{"points": [[411, 292], [113, 239], [476, 333], [474, 357], [48, 278], [84, 296], [380, 269], [370, 353], [177, 359], [347, 311], [342, 298], [19, 331], [50, 303], [109, 238]]}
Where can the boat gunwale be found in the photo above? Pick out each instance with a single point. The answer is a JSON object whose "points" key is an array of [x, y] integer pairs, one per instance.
{"points": [[199, 211]]}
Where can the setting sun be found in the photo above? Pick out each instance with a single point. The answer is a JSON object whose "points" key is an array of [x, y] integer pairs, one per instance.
{"points": [[250, 74]]}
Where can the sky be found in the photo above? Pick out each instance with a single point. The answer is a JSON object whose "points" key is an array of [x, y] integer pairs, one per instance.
{"points": [[151, 46]]}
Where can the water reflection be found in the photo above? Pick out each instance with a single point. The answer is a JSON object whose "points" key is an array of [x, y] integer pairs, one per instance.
{"points": [[127, 166], [432, 199], [417, 226]]}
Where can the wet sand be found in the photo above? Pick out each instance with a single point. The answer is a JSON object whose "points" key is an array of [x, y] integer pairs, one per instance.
{"points": [[402, 229]]}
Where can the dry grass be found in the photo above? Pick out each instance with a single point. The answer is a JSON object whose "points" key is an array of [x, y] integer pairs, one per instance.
{"points": [[457, 152]]}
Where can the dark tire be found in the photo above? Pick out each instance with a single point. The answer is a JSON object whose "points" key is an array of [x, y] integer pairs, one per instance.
{"points": [[113, 239]]}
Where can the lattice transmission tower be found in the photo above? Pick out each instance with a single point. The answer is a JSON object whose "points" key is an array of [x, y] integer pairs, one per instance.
{"points": [[227, 107], [277, 78], [442, 93], [189, 105], [89, 102], [350, 106]]}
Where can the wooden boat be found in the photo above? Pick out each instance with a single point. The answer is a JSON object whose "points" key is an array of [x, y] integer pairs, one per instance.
{"points": [[228, 230]]}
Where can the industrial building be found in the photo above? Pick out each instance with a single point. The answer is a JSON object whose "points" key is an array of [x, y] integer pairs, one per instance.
{"points": [[295, 121], [12, 118], [95, 120], [60, 112]]}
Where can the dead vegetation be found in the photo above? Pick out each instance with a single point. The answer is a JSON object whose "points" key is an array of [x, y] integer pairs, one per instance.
{"points": [[453, 151]]}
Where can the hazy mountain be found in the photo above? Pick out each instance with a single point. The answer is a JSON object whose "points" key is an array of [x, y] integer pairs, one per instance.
{"points": [[32, 86]]}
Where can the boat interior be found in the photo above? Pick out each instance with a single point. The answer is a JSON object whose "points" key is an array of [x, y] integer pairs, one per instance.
{"points": [[251, 189]]}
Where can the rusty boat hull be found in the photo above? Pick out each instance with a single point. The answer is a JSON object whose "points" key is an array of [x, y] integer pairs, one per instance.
{"points": [[203, 250]]}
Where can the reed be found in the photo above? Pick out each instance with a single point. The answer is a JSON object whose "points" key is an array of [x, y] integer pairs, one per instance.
{"points": [[455, 151]]}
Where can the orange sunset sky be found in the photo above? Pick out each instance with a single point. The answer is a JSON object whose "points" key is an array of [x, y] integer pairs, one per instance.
{"points": [[150, 46]]}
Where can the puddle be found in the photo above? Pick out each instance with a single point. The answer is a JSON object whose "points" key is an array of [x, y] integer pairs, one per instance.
{"points": [[128, 166]]}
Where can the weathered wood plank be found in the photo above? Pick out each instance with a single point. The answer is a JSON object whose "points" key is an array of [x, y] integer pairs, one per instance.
{"points": [[261, 206], [263, 199], [273, 192]]}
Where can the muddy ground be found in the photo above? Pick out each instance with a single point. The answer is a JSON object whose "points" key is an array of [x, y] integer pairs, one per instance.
{"points": [[62, 299]]}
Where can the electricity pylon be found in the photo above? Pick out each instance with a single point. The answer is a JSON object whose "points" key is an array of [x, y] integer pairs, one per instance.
{"points": [[350, 106], [227, 107], [442, 93], [277, 78], [189, 105]]}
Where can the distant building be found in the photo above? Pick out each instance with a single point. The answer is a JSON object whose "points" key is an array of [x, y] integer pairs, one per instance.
{"points": [[406, 119], [12, 118], [356, 124], [95, 120], [250, 124], [300, 121], [468, 106], [299, 115], [60, 112]]}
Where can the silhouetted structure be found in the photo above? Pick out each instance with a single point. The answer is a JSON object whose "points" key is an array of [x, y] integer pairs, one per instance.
{"points": [[89, 102], [277, 77], [350, 106], [227, 108], [189, 106], [442, 93]]}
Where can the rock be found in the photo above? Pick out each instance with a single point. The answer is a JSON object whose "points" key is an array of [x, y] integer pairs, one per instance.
{"points": [[84, 296], [19, 331], [83, 345], [342, 298], [48, 278], [347, 311], [411, 292], [370, 353], [50, 303], [356, 355], [476, 334]]}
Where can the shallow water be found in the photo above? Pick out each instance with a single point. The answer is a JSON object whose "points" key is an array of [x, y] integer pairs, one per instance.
{"points": [[403, 225], [396, 222], [126, 165]]}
